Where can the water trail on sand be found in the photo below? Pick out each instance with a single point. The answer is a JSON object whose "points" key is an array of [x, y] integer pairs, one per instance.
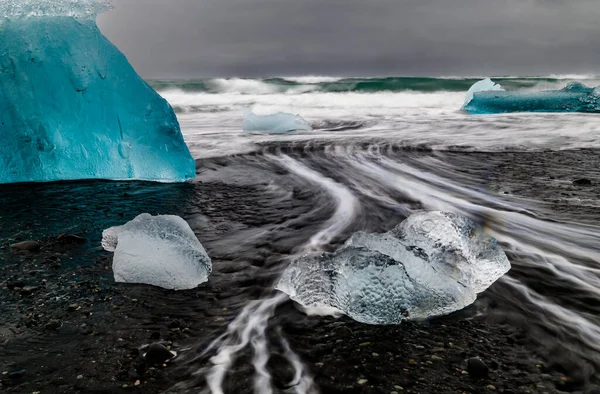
{"points": [[347, 205], [249, 328], [558, 254]]}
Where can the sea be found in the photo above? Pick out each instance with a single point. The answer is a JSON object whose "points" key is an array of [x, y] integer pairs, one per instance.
{"points": [[412, 112]]}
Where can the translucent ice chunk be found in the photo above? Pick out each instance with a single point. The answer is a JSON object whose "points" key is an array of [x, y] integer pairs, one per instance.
{"points": [[431, 264], [457, 248], [277, 123], [485, 85], [72, 105], [161, 251], [573, 98], [364, 284]]}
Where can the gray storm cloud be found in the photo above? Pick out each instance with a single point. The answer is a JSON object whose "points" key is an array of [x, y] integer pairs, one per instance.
{"points": [[205, 38]]}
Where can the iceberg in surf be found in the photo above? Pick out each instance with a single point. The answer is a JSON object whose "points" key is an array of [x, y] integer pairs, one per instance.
{"points": [[159, 250], [433, 263], [574, 98], [280, 122], [72, 105], [485, 85]]}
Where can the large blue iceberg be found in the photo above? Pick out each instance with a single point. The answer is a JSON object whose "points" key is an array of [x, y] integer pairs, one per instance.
{"points": [[72, 105], [486, 98]]}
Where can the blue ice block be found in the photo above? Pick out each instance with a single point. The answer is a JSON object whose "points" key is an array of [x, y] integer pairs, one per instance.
{"points": [[72, 107], [573, 98]]}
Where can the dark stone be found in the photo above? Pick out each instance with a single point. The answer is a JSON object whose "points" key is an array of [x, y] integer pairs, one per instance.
{"points": [[15, 285], [27, 246], [582, 182], [28, 290], [477, 368], [158, 354], [71, 239], [343, 332], [18, 374], [175, 324], [53, 325]]}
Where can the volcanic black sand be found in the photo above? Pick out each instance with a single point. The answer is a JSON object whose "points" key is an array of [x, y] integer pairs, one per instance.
{"points": [[68, 328]]}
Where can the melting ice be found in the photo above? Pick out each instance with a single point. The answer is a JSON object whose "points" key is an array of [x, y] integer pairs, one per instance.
{"points": [[280, 122], [159, 250], [72, 105], [431, 264], [485, 97]]}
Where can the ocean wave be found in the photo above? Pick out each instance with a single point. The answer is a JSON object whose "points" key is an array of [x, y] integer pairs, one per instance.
{"points": [[312, 79], [316, 84]]}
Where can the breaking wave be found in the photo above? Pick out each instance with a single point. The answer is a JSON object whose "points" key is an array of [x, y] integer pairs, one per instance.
{"points": [[311, 84]]}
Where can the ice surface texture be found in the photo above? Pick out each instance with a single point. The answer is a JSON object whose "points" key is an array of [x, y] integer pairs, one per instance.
{"points": [[431, 264], [74, 8], [277, 123], [161, 251], [485, 85], [74, 108], [573, 98]]}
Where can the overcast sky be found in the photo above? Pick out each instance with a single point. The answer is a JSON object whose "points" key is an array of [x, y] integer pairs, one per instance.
{"points": [[210, 38]]}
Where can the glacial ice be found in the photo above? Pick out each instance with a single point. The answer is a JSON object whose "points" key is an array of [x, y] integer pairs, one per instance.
{"points": [[72, 105], [574, 98], [485, 85], [431, 264], [159, 250], [280, 122]]}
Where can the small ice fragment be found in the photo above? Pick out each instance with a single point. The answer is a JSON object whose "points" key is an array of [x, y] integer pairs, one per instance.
{"points": [[280, 122], [433, 263], [159, 250], [485, 85]]}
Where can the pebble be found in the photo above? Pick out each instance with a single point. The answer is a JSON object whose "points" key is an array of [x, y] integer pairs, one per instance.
{"points": [[582, 182], [491, 387], [29, 246], [436, 358], [72, 239], [158, 354], [362, 381], [477, 368], [53, 325], [364, 344]]}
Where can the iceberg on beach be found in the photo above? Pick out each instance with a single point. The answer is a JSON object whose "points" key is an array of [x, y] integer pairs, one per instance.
{"points": [[72, 105], [162, 251], [575, 97], [433, 263], [280, 122]]}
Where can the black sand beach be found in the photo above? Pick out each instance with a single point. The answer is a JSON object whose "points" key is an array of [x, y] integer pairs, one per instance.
{"points": [[68, 328]]}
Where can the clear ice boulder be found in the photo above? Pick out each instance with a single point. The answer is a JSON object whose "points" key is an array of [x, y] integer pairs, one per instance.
{"points": [[432, 264], [72, 105], [161, 251], [280, 122]]}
